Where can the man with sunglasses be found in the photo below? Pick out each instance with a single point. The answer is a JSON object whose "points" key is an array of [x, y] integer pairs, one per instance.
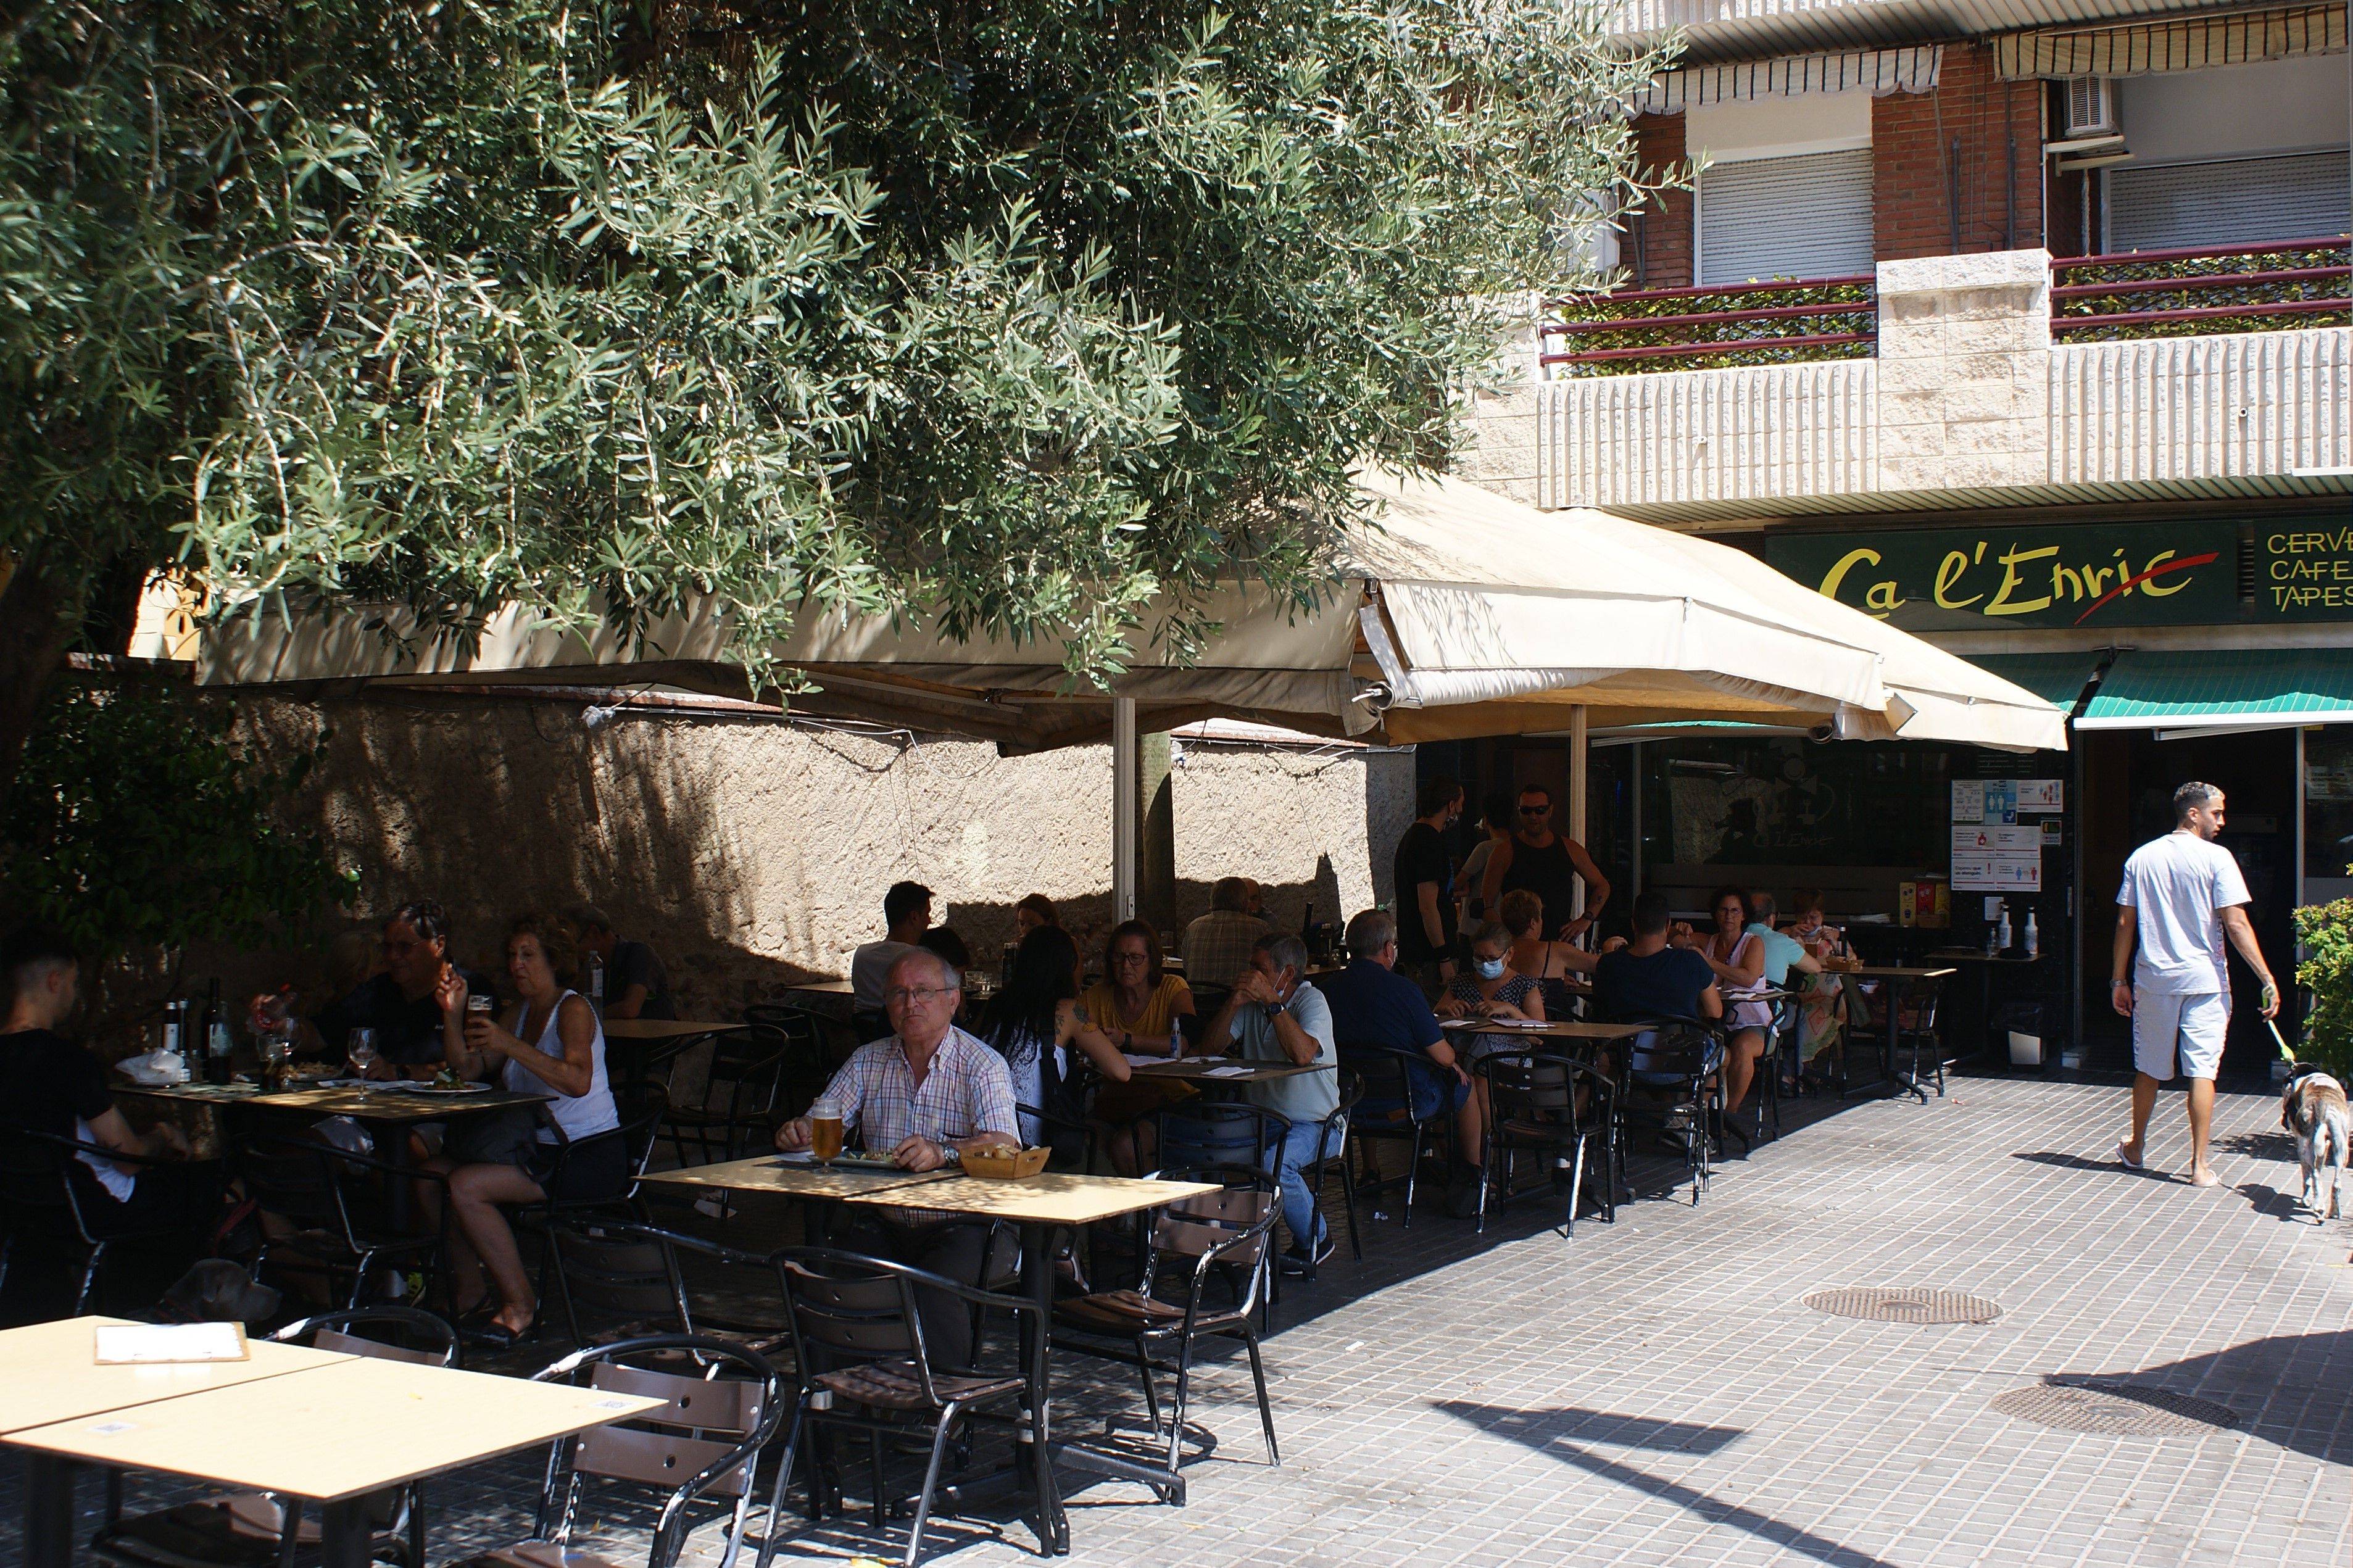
{"points": [[1547, 865]]}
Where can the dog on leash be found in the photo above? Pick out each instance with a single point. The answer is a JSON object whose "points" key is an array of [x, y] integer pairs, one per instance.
{"points": [[2313, 1109]]}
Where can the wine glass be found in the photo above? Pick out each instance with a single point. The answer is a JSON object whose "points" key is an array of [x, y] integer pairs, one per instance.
{"points": [[361, 1048]]}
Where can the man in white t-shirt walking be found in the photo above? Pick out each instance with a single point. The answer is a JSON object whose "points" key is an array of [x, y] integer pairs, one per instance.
{"points": [[2181, 895]]}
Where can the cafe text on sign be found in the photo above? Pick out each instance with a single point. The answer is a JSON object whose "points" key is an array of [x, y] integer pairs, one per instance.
{"points": [[2150, 573]]}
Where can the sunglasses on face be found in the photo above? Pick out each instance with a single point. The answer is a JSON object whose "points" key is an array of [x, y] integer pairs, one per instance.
{"points": [[1535, 811]]}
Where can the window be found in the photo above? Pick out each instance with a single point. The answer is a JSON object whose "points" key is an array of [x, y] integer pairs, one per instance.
{"points": [[1805, 216], [2240, 201]]}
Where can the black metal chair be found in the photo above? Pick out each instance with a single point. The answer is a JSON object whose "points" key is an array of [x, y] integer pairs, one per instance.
{"points": [[1195, 1135], [1673, 1080], [331, 1197], [708, 1432], [1331, 1150], [630, 1281], [1384, 1114], [858, 1342], [1913, 1021], [739, 1097], [43, 1210], [1188, 1242], [1556, 1105], [265, 1530], [1779, 1058]]}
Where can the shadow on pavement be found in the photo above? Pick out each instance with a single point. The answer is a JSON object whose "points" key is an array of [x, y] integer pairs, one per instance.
{"points": [[1561, 1433]]}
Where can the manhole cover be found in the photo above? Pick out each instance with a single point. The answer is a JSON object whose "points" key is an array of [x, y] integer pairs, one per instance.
{"points": [[2114, 1409], [1880, 1304]]}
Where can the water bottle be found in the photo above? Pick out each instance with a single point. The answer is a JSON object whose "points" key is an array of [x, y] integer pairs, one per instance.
{"points": [[1176, 1038], [2033, 943], [177, 1042], [596, 983]]}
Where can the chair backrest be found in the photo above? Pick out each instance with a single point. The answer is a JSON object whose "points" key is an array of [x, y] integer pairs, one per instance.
{"points": [[642, 1106], [413, 1336], [1224, 1133], [702, 1440], [1188, 1230], [627, 1272], [289, 1177], [1545, 1088], [1676, 1047], [847, 1309], [34, 1183]]}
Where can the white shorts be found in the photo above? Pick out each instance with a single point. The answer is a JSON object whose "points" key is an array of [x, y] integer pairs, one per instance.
{"points": [[2196, 1021]]}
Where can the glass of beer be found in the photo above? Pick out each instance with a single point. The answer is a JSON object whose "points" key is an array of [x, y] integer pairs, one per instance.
{"points": [[824, 1131]]}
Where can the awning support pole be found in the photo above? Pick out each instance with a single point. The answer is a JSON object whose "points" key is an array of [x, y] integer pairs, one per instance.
{"points": [[1126, 784], [1578, 752]]}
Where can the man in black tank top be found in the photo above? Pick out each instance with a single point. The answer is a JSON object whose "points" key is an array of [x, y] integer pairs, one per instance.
{"points": [[1548, 866]]}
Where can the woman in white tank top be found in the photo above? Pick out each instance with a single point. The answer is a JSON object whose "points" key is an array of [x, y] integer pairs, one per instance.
{"points": [[551, 1044]]}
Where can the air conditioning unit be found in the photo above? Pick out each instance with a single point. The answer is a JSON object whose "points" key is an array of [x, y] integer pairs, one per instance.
{"points": [[2091, 107]]}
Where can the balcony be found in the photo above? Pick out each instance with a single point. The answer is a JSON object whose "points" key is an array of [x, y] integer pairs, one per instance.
{"points": [[1998, 378]]}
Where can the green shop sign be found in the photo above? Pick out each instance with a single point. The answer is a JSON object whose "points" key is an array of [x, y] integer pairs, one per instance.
{"points": [[2138, 574]]}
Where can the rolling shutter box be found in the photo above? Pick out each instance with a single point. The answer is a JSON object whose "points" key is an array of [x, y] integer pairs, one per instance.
{"points": [[1807, 216], [2240, 200]]}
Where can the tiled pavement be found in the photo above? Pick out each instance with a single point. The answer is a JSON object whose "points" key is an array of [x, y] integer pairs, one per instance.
{"points": [[1656, 1393]]}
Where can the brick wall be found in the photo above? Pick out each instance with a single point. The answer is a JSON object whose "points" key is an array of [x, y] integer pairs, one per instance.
{"points": [[1657, 251], [1915, 173]]}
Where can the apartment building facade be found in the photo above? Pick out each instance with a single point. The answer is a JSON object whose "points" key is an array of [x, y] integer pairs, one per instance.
{"points": [[2025, 325]]}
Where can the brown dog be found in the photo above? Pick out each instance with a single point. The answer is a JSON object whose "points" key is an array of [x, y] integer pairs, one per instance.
{"points": [[2313, 1108]]}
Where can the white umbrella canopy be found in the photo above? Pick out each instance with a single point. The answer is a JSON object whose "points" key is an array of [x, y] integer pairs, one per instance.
{"points": [[1463, 613]]}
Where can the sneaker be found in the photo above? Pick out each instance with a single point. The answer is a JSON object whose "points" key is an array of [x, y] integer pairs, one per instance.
{"points": [[1296, 1261]]}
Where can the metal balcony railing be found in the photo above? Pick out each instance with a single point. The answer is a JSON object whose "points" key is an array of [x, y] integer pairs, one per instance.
{"points": [[1782, 321], [2208, 289]]}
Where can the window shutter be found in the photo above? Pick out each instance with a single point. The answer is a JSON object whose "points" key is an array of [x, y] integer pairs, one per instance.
{"points": [[1808, 216], [2240, 200]]}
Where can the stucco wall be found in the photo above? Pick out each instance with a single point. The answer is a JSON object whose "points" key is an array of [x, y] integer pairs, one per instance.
{"points": [[753, 851]]}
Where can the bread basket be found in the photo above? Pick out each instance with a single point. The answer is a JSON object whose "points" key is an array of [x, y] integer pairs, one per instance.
{"points": [[1004, 1164]]}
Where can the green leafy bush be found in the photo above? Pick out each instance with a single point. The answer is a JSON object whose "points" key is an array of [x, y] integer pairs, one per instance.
{"points": [[2201, 291], [139, 820], [2324, 933]]}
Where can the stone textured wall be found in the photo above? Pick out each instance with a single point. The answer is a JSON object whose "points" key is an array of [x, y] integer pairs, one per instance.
{"points": [[752, 851], [1964, 371], [1503, 425]]}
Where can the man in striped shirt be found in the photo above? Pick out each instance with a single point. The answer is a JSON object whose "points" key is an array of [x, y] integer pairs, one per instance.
{"points": [[925, 1094]]}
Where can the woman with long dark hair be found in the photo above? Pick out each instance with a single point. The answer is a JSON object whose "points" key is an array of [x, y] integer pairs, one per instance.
{"points": [[1035, 1024]]}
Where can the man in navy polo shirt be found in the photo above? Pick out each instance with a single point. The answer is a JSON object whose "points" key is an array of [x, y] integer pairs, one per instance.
{"points": [[1372, 1004]]}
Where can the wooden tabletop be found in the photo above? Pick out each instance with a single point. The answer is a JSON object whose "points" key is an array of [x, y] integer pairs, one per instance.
{"points": [[334, 1431], [47, 1372], [766, 1173], [1894, 972], [1971, 955], [1044, 1199], [1563, 1029], [1226, 1070], [664, 1029], [379, 1104], [821, 987]]}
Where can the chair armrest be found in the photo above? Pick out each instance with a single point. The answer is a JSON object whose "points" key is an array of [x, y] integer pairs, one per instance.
{"points": [[103, 1152]]}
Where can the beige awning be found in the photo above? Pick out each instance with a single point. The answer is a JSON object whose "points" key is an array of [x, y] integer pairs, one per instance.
{"points": [[2183, 43], [1911, 68], [1465, 615]]}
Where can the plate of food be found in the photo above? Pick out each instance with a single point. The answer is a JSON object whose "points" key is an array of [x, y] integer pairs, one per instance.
{"points": [[851, 1159]]}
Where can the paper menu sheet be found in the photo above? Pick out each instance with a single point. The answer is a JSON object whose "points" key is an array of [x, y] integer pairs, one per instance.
{"points": [[130, 1344], [1227, 1072]]}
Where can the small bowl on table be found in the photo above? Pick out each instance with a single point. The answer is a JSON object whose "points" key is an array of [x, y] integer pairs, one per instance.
{"points": [[1004, 1164]]}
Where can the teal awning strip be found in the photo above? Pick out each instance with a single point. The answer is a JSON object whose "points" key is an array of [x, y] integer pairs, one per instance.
{"points": [[2056, 678], [2224, 689]]}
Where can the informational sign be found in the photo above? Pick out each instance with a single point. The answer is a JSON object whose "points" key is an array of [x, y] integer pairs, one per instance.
{"points": [[1998, 873], [1985, 800], [2041, 794], [2015, 839], [2051, 575]]}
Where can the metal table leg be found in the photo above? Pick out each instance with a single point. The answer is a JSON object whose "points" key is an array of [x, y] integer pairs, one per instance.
{"points": [[345, 1534], [48, 1509]]}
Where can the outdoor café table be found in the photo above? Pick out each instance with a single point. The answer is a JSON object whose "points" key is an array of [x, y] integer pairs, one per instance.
{"points": [[332, 1433], [1038, 1206], [1222, 1078], [1906, 978], [387, 1114], [1987, 963], [818, 1186], [47, 1374], [1556, 1029], [633, 1042]]}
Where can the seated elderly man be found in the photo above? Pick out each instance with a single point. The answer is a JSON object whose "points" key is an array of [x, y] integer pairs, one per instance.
{"points": [[926, 1093], [1372, 1004], [1217, 946], [1279, 1018]]}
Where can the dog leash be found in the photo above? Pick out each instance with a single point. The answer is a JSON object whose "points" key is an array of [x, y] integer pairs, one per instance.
{"points": [[2273, 1024]]}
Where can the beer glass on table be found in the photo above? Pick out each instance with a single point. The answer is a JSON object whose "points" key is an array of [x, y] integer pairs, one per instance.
{"points": [[824, 1131]]}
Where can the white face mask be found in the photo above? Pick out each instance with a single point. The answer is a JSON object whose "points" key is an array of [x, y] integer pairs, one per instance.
{"points": [[1491, 969]]}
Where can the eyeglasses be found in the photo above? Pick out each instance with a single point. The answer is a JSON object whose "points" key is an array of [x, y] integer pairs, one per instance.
{"points": [[915, 996], [1130, 958], [1535, 811]]}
